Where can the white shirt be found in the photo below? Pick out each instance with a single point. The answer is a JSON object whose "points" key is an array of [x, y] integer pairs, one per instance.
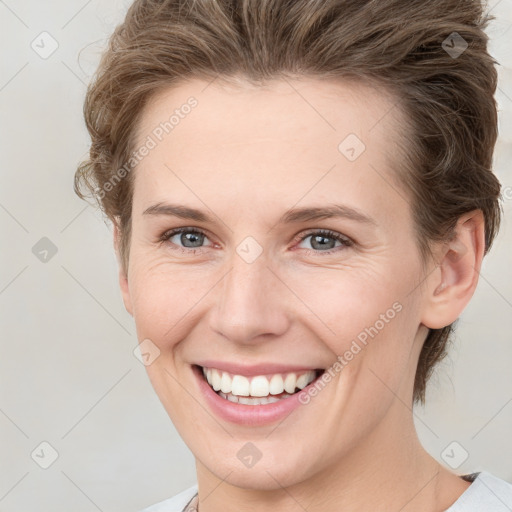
{"points": [[487, 493]]}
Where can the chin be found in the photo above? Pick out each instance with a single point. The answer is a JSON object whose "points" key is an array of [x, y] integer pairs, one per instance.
{"points": [[259, 478]]}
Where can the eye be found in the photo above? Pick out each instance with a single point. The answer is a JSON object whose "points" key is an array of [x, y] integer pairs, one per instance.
{"points": [[324, 241], [191, 238]]}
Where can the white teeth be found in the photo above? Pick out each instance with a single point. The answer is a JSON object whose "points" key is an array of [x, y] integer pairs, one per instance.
{"points": [[289, 383], [215, 379], [276, 385], [260, 387], [302, 381], [240, 386], [225, 383], [250, 400]]}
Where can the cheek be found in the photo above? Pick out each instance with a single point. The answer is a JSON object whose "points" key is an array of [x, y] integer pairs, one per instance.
{"points": [[348, 304], [166, 299], [368, 320]]}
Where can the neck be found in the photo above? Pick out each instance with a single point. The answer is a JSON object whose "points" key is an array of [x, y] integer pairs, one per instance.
{"points": [[388, 470]]}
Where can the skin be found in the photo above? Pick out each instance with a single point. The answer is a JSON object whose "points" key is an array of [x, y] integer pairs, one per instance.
{"points": [[246, 155]]}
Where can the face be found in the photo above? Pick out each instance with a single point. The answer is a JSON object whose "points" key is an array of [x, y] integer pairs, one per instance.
{"points": [[237, 272]]}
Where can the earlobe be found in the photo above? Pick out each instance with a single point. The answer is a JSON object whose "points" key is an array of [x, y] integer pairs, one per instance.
{"points": [[123, 278], [452, 284]]}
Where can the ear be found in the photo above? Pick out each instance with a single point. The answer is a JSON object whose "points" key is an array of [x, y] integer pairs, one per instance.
{"points": [[123, 278], [452, 284]]}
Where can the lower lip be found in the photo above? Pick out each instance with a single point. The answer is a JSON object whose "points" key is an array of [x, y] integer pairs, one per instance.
{"points": [[243, 414]]}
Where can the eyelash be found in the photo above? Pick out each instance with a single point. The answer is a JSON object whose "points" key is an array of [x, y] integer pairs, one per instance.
{"points": [[327, 233]]}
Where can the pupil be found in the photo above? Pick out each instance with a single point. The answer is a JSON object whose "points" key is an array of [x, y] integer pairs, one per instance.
{"points": [[195, 238], [322, 244]]}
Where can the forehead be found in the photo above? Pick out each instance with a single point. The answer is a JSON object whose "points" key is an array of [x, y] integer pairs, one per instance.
{"points": [[287, 140], [282, 110]]}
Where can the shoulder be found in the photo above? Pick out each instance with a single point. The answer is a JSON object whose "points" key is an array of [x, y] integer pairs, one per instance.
{"points": [[487, 492], [176, 503]]}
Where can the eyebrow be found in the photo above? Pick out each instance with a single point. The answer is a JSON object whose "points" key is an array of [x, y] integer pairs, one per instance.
{"points": [[294, 215]]}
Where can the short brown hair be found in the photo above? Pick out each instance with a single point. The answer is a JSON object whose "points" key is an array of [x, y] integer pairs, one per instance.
{"points": [[403, 47]]}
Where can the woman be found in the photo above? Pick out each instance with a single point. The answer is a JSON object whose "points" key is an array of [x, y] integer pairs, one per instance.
{"points": [[301, 194]]}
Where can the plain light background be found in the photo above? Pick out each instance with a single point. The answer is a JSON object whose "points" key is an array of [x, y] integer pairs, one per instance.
{"points": [[68, 373]]}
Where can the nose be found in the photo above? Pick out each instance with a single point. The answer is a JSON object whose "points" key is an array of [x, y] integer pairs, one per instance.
{"points": [[251, 302]]}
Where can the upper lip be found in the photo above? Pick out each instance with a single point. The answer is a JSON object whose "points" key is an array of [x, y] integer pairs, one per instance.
{"points": [[255, 369]]}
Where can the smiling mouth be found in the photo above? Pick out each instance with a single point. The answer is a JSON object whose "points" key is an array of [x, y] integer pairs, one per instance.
{"points": [[258, 389]]}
